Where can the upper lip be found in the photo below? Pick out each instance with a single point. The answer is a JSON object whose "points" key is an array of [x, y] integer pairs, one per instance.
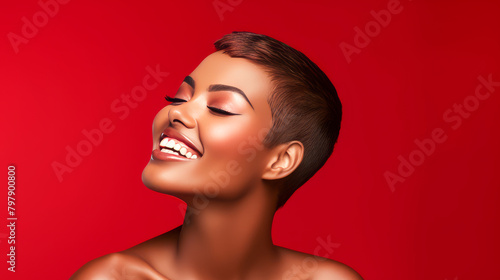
{"points": [[172, 133]]}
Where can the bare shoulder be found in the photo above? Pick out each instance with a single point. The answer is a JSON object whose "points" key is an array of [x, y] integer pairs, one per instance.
{"points": [[298, 265], [117, 266], [147, 260], [144, 261], [333, 270]]}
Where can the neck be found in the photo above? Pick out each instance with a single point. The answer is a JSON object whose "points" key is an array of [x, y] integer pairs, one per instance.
{"points": [[228, 240]]}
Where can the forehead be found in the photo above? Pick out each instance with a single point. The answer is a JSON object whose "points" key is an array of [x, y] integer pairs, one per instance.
{"points": [[219, 68]]}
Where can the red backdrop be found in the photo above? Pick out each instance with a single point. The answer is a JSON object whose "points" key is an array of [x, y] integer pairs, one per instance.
{"points": [[410, 192]]}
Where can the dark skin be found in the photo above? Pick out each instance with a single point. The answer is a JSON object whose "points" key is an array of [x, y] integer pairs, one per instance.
{"points": [[227, 230]]}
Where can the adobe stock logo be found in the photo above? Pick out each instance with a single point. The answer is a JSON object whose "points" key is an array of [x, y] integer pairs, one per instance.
{"points": [[454, 117], [121, 107], [221, 7], [373, 28], [31, 27], [221, 179], [310, 264]]}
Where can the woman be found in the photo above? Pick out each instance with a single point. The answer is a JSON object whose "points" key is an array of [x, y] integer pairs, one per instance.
{"points": [[251, 124]]}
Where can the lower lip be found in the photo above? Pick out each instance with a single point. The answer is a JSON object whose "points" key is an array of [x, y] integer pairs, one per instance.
{"points": [[158, 155]]}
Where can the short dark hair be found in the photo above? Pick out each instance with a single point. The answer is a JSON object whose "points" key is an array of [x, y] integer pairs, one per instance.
{"points": [[304, 103]]}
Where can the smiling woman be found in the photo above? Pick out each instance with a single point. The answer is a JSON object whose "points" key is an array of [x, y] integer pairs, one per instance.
{"points": [[253, 89]]}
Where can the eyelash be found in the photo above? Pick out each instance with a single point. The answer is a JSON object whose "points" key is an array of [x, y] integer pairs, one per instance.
{"points": [[220, 111], [212, 109], [174, 100]]}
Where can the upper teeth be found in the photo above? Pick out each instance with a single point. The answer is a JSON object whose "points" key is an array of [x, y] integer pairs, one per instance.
{"points": [[171, 147], [170, 144]]}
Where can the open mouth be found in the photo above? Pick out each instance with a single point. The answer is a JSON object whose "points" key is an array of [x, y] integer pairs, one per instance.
{"points": [[171, 144]]}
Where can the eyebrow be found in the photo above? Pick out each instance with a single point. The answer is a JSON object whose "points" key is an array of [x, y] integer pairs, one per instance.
{"points": [[219, 87], [189, 80]]}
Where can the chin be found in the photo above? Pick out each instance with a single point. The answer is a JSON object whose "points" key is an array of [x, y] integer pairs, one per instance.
{"points": [[160, 181], [154, 179]]}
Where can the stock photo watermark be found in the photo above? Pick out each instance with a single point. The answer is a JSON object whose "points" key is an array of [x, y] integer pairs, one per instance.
{"points": [[221, 179], [11, 218], [310, 264], [452, 117], [32, 25], [121, 107], [223, 6], [372, 29]]}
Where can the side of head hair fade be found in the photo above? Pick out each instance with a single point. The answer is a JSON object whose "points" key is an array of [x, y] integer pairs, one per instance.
{"points": [[304, 103]]}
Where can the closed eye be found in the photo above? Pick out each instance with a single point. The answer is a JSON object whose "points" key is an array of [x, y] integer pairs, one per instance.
{"points": [[212, 109], [222, 112], [174, 100]]}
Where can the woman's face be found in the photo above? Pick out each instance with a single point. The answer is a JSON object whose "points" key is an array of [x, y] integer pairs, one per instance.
{"points": [[208, 141]]}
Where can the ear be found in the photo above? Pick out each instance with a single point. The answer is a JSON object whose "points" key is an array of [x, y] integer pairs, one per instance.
{"points": [[285, 159]]}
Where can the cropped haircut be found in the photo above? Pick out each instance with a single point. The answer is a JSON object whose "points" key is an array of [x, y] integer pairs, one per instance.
{"points": [[304, 103]]}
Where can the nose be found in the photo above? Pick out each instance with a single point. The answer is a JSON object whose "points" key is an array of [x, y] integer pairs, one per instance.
{"points": [[181, 115]]}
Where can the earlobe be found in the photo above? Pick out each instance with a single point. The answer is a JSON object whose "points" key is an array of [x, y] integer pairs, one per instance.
{"points": [[285, 159]]}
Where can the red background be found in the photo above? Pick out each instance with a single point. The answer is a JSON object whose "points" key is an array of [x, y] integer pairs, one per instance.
{"points": [[442, 222]]}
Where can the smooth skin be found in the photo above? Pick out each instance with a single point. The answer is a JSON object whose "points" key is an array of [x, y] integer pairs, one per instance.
{"points": [[231, 190]]}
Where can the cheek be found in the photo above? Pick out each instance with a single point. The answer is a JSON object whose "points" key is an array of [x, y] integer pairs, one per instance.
{"points": [[223, 139], [234, 154]]}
